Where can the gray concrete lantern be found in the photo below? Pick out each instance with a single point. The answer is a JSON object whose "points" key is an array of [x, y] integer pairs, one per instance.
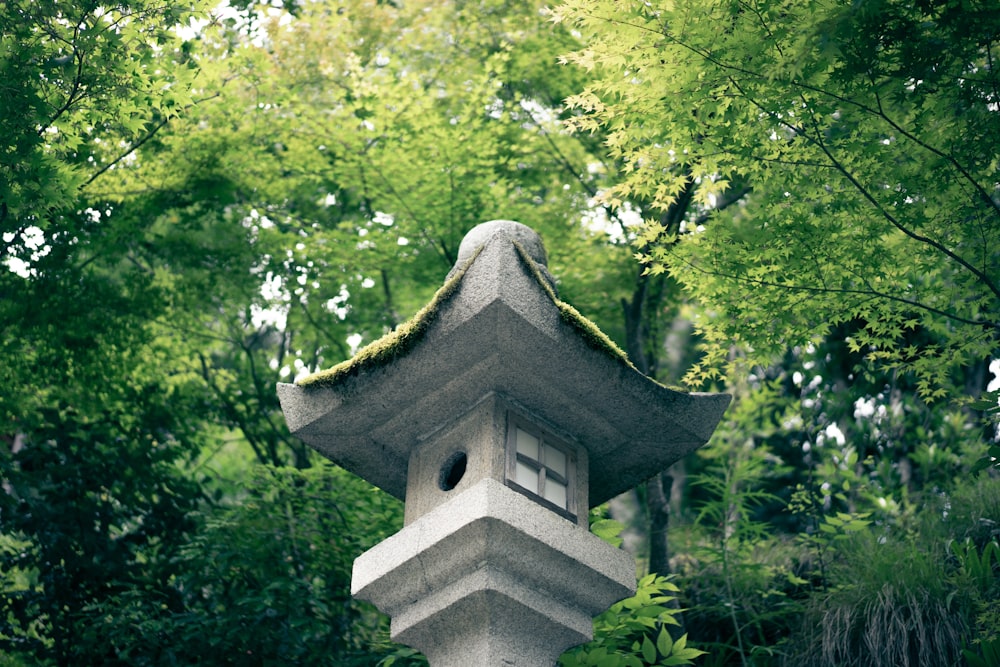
{"points": [[500, 415]]}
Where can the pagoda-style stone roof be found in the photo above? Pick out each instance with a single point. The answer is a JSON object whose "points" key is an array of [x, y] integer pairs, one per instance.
{"points": [[497, 326]]}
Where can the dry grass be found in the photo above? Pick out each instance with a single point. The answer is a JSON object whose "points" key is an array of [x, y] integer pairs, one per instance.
{"points": [[893, 628], [894, 607]]}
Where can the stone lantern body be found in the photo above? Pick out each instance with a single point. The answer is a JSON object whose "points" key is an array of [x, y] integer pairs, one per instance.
{"points": [[500, 416]]}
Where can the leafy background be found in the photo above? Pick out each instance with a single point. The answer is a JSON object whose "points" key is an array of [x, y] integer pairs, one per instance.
{"points": [[793, 201]]}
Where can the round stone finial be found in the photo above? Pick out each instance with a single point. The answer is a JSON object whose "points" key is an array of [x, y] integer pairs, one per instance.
{"points": [[524, 236], [515, 231]]}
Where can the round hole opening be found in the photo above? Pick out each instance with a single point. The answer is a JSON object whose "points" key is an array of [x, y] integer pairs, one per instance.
{"points": [[453, 471]]}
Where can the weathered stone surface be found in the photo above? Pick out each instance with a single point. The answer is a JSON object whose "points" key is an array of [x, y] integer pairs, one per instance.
{"points": [[502, 333], [480, 435], [488, 579]]}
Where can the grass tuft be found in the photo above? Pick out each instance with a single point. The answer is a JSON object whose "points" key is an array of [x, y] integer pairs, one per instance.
{"points": [[895, 609]]}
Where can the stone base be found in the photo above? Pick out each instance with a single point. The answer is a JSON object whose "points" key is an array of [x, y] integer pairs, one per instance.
{"points": [[491, 578]]}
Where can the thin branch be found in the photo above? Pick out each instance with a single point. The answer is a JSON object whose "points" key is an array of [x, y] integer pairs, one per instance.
{"points": [[729, 198], [880, 112], [841, 290], [819, 143], [259, 388], [72, 97], [316, 325], [561, 158], [145, 138], [231, 410]]}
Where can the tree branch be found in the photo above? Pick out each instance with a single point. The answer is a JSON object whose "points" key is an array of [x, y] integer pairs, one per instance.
{"points": [[879, 112], [73, 96], [729, 198], [841, 290], [817, 141], [139, 142]]}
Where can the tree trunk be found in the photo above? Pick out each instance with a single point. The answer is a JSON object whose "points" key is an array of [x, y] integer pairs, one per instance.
{"points": [[658, 506]]}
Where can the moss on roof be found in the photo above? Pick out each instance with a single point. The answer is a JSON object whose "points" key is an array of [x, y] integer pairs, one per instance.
{"points": [[402, 340], [590, 332], [393, 345]]}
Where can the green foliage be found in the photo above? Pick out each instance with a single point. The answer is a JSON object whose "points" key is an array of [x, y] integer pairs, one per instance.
{"points": [[90, 82], [990, 655], [634, 632], [742, 589], [403, 657], [989, 404], [608, 530], [267, 579], [825, 534], [186, 223], [891, 606], [92, 496], [860, 152], [978, 568]]}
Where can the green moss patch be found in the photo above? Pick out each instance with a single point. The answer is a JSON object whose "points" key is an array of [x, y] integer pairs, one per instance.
{"points": [[402, 340], [393, 345], [591, 334]]}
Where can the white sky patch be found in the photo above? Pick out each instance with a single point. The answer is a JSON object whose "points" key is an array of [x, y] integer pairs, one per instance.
{"points": [[273, 288], [354, 342], [598, 221], [338, 304], [402, 240], [383, 218], [254, 221], [192, 29], [864, 408], [33, 240], [495, 108], [994, 384], [245, 23], [301, 370], [833, 431], [276, 316], [540, 114], [19, 266]]}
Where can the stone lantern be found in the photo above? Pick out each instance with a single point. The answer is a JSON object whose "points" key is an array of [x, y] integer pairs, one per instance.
{"points": [[500, 416]]}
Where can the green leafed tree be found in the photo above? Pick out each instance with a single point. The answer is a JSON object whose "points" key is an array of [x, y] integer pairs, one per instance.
{"points": [[861, 143], [84, 83]]}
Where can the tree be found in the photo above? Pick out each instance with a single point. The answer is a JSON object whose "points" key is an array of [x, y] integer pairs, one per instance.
{"points": [[841, 240], [96, 414], [88, 87], [861, 143], [265, 579], [295, 209]]}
